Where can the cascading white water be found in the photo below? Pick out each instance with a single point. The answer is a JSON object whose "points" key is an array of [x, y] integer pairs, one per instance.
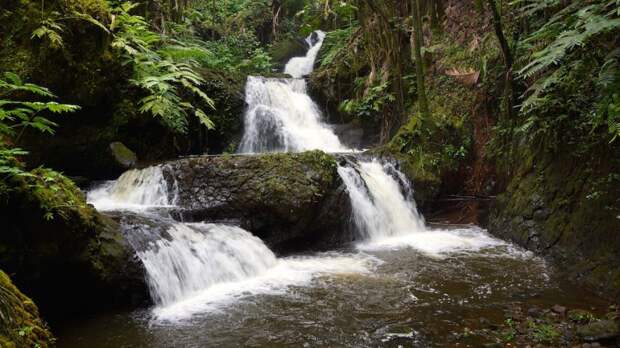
{"points": [[199, 256], [281, 117], [191, 267], [387, 218], [135, 189], [301, 66], [380, 209]]}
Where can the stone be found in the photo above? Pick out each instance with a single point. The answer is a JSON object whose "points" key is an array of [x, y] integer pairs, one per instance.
{"points": [[21, 312], [599, 330], [534, 312], [73, 257], [286, 199], [123, 155], [561, 310]]}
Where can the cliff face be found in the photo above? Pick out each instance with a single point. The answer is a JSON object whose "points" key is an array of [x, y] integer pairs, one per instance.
{"points": [[565, 209]]}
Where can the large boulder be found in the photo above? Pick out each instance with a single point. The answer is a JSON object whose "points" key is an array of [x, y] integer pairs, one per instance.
{"points": [[58, 249], [292, 201]]}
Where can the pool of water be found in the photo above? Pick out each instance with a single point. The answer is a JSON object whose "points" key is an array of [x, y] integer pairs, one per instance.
{"points": [[419, 290]]}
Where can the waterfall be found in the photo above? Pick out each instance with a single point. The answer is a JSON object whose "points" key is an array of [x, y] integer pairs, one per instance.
{"points": [[134, 190], [380, 208], [198, 256], [281, 117], [301, 66]]}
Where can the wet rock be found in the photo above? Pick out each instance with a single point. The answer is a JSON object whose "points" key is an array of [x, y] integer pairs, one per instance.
{"points": [[485, 322], [599, 330], [18, 311], [283, 50], [534, 312], [123, 155], [289, 200], [559, 310], [61, 251]]}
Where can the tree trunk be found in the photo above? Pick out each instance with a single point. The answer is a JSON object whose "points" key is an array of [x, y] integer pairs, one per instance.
{"points": [[508, 60], [417, 40]]}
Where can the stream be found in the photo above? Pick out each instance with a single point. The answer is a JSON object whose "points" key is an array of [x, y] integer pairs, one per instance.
{"points": [[404, 282]]}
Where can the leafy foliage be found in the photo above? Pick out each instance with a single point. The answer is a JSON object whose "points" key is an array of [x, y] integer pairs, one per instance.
{"points": [[19, 114], [568, 52], [371, 103], [51, 31], [168, 78]]}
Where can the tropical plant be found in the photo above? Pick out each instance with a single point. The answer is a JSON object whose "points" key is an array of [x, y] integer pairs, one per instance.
{"points": [[570, 47], [16, 115], [168, 79]]}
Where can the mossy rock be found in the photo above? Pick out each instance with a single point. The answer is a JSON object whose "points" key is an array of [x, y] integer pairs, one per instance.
{"points": [[123, 155], [61, 250], [288, 199], [282, 51], [20, 323], [571, 219]]}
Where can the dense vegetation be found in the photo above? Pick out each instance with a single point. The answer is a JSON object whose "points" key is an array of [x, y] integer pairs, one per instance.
{"points": [[519, 99]]}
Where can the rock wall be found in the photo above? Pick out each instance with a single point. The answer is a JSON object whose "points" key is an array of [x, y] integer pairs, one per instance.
{"points": [[292, 201], [564, 208]]}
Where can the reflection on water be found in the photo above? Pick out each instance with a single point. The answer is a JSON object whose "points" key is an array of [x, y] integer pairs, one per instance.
{"points": [[408, 295]]}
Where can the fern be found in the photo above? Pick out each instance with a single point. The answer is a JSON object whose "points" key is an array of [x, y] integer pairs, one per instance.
{"points": [[19, 114], [51, 31], [562, 50], [587, 24], [166, 72], [7, 301]]}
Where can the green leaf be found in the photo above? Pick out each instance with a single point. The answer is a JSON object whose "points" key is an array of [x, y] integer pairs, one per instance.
{"points": [[204, 119]]}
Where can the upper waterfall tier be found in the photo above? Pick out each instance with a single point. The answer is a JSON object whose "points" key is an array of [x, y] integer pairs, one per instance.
{"points": [[301, 66], [281, 116]]}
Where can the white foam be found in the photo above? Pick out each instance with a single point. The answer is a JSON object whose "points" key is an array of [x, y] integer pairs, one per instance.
{"points": [[299, 67], [281, 117], [380, 209], [287, 272], [135, 190], [442, 243]]}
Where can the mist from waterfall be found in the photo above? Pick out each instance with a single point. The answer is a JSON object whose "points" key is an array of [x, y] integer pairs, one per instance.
{"points": [[198, 256], [197, 267], [194, 267]]}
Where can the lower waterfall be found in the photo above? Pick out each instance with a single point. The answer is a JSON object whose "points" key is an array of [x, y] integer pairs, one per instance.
{"points": [[199, 256], [381, 206]]}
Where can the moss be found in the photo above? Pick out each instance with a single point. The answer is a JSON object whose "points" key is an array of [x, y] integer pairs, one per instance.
{"points": [[61, 250], [23, 327], [287, 172], [566, 208], [287, 48], [123, 154], [97, 8]]}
